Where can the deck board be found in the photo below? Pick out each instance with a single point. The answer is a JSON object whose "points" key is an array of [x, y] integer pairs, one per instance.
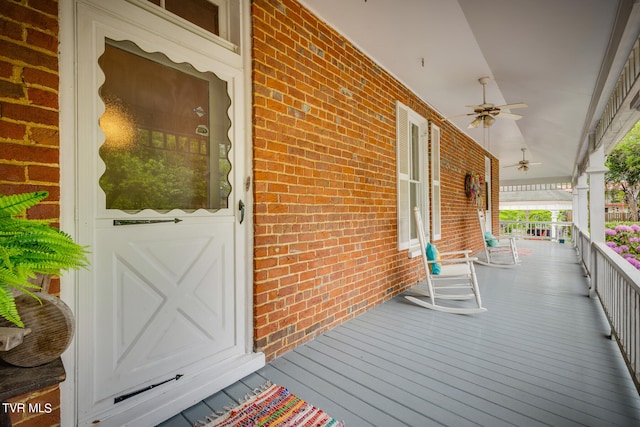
{"points": [[539, 356], [326, 394], [448, 371], [407, 385]]}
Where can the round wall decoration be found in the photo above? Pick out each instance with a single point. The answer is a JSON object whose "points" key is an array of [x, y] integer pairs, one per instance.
{"points": [[474, 187]]}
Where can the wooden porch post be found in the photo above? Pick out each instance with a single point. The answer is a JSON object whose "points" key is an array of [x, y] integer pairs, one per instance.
{"points": [[581, 207], [554, 219], [596, 172]]}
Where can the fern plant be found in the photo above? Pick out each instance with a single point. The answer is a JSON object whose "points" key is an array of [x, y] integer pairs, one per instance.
{"points": [[29, 247]]}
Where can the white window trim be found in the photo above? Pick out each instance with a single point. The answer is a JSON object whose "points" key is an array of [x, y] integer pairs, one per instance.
{"points": [[436, 188], [405, 117], [223, 23]]}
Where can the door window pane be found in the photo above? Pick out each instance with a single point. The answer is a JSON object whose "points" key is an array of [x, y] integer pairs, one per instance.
{"points": [[166, 130], [200, 12]]}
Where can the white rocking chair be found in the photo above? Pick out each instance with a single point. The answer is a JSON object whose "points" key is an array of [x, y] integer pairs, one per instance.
{"points": [[456, 281], [504, 254]]}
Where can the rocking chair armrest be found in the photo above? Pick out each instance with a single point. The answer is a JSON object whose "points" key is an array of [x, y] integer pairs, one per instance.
{"points": [[505, 238], [465, 252], [455, 260], [505, 248]]}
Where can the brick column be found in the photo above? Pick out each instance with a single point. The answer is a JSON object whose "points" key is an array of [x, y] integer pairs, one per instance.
{"points": [[29, 141]]}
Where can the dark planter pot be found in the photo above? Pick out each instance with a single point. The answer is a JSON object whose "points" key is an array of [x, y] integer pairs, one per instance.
{"points": [[49, 328]]}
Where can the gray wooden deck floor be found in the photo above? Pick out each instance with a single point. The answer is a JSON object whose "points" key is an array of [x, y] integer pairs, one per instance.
{"points": [[538, 357]]}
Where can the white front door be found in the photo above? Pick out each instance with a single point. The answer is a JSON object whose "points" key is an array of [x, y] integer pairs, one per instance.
{"points": [[162, 312]]}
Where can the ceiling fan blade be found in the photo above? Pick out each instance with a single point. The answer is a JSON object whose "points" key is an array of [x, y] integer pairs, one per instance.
{"points": [[486, 113], [512, 106], [509, 116], [460, 115], [522, 164]]}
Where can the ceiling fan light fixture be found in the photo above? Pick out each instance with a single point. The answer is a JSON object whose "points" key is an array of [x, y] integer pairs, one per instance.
{"points": [[488, 121], [475, 123]]}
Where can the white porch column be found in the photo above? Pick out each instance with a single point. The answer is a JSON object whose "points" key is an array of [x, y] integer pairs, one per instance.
{"points": [[581, 210], [554, 219], [580, 204], [596, 172], [574, 205]]}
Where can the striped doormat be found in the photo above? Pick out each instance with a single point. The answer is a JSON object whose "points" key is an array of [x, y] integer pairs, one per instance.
{"points": [[274, 406]]}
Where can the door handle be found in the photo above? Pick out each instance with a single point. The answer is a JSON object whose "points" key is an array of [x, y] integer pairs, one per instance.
{"points": [[241, 209], [144, 221]]}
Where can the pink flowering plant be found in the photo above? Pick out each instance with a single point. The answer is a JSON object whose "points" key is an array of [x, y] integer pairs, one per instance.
{"points": [[624, 239]]}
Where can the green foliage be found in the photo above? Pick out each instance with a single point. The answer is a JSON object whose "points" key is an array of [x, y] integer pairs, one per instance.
{"points": [[536, 215], [540, 215], [508, 215], [30, 247], [623, 165], [161, 179], [517, 219], [615, 195]]}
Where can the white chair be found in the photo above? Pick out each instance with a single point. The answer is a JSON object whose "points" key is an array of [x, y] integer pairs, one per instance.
{"points": [[456, 281], [504, 254]]}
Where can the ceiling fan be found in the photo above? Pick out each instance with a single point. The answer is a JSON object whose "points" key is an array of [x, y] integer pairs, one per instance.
{"points": [[523, 165], [486, 112]]}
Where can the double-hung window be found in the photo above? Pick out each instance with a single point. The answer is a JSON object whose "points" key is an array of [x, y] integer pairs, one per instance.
{"points": [[412, 175]]}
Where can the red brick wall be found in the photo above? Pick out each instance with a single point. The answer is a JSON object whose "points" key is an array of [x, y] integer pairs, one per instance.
{"points": [[41, 408], [29, 101], [29, 128], [325, 179]]}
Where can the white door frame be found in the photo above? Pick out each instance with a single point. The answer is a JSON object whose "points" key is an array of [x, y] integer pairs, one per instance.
{"points": [[487, 179], [70, 204]]}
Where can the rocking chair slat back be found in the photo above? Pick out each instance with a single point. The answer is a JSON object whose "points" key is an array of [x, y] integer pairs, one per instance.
{"points": [[456, 281]]}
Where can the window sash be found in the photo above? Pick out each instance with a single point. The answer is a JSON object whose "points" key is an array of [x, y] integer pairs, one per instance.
{"points": [[436, 189]]}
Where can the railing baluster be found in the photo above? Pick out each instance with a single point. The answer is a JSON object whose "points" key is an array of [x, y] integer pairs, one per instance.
{"points": [[544, 230], [617, 284]]}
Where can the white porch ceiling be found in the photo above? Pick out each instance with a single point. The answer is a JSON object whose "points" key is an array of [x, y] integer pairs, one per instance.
{"points": [[561, 57]]}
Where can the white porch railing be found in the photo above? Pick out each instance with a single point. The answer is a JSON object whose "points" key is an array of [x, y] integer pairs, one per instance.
{"points": [[542, 230], [583, 243], [617, 285]]}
